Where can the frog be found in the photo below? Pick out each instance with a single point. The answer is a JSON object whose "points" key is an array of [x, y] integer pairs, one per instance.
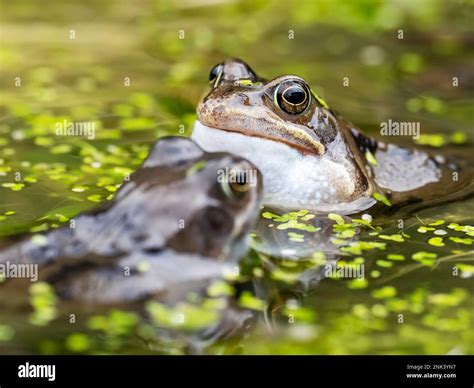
{"points": [[310, 156], [178, 223]]}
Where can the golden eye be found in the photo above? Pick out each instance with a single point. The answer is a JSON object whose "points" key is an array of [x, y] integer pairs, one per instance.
{"points": [[236, 183], [215, 74], [241, 183], [292, 97]]}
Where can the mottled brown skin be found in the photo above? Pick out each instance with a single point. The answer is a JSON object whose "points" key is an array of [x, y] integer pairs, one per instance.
{"points": [[172, 214], [242, 103]]}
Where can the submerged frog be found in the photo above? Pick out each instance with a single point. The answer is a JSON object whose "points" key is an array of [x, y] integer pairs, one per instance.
{"points": [[179, 222], [310, 157]]}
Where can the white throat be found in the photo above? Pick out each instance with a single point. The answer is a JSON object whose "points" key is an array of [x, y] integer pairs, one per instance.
{"points": [[291, 179]]}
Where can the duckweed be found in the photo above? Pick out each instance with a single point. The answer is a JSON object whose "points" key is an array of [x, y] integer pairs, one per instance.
{"points": [[357, 284], [296, 237], [384, 263], [184, 316], [382, 198], [466, 241], [369, 156], [293, 224], [392, 237], [6, 333], [94, 198], [298, 313], [356, 248], [424, 229], [43, 300], [247, 300], [336, 217], [14, 186], [467, 270], [395, 257], [454, 298], [363, 222], [128, 122], [288, 277], [116, 323], [425, 258], [437, 223], [220, 288], [78, 342], [436, 241], [384, 292]]}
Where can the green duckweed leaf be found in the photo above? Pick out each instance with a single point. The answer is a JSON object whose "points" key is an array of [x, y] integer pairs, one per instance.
{"points": [[436, 241], [382, 198]]}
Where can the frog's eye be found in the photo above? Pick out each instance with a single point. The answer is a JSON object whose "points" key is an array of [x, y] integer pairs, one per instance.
{"points": [[292, 97], [215, 74], [236, 182], [241, 183]]}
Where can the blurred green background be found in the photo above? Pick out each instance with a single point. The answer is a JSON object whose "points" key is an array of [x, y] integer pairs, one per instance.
{"points": [[128, 71]]}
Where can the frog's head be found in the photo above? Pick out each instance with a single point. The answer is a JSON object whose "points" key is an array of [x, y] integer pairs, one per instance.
{"points": [[307, 155], [282, 110], [192, 201]]}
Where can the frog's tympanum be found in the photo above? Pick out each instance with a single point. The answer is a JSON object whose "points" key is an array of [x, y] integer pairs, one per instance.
{"points": [[181, 220], [309, 157]]}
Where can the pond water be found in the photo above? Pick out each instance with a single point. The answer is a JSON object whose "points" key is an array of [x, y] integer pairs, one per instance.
{"points": [[135, 73]]}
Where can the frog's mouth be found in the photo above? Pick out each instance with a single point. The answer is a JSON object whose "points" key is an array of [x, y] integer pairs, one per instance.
{"points": [[299, 138]]}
